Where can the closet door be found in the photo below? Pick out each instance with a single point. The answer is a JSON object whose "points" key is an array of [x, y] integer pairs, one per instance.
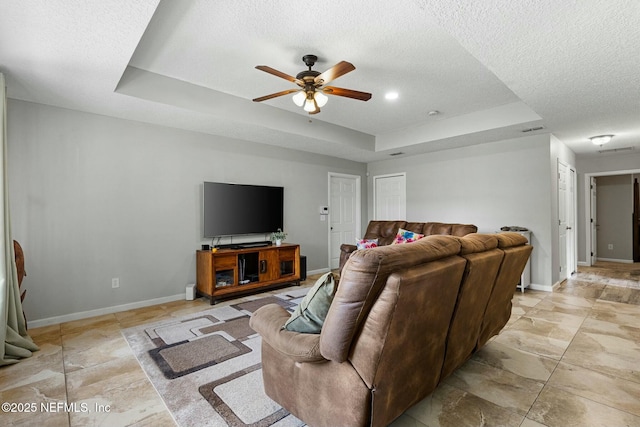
{"points": [[390, 197]]}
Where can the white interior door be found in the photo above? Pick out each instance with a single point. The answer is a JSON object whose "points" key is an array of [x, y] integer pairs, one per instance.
{"points": [[594, 224], [562, 219], [572, 238], [390, 197], [344, 213], [566, 220]]}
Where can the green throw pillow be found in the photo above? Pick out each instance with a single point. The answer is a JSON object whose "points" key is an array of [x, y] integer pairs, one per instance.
{"points": [[309, 315]]}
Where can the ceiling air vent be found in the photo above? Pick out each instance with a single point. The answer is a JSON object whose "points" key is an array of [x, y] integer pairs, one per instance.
{"points": [[533, 129], [396, 154], [615, 150]]}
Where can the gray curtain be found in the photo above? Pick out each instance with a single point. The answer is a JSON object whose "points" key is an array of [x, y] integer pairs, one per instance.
{"points": [[13, 329]]}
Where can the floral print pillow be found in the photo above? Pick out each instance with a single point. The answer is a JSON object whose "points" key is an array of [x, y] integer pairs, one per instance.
{"points": [[366, 243], [406, 236]]}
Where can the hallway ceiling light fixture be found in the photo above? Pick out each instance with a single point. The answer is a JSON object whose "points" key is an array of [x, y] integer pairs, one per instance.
{"points": [[601, 139]]}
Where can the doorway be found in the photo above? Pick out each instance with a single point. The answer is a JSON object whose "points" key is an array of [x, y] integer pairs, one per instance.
{"points": [[344, 213], [592, 223]]}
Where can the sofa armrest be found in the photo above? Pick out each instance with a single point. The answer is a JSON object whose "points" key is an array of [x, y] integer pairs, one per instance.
{"points": [[346, 248], [269, 320], [345, 252]]}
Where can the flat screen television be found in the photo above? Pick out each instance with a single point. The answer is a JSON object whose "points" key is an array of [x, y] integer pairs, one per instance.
{"points": [[232, 209]]}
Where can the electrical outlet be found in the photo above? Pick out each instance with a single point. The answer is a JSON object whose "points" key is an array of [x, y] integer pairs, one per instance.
{"points": [[610, 247], [115, 283]]}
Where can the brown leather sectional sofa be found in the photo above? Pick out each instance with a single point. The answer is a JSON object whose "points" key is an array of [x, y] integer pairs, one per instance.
{"points": [[403, 318], [385, 232]]}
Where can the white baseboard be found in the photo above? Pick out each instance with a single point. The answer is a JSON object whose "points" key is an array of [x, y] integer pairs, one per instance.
{"points": [[319, 271], [118, 308], [626, 261], [537, 287], [583, 264], [102, 311]]}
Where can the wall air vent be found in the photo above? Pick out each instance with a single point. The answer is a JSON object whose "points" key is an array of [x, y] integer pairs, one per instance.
{"points": [[396, 154], [533, 129], [615, 150]]}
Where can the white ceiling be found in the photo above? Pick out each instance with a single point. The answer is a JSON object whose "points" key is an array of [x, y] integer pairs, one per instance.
{"points": [[492, 68]]}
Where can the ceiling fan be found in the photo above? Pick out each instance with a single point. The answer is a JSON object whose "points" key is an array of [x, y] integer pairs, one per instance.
{"points": [[311, 92]]}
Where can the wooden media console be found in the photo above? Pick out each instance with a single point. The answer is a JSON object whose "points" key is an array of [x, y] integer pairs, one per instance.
{"points": [[230, 272]]}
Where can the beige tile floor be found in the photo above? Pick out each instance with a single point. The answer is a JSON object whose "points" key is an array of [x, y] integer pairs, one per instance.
{"points": [[567, 358]]}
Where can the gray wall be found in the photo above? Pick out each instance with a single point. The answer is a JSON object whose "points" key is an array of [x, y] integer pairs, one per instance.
{"points": [[604, 164], [94, 198], [614, 217], [489, 185]]}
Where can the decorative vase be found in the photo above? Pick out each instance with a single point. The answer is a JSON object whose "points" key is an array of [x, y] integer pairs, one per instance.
{"points": [[278, 242]]}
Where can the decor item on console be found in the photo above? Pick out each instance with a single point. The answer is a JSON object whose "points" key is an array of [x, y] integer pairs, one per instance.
{"points": [[278, 236], [372, 361], [513, 228], [385, 232]]}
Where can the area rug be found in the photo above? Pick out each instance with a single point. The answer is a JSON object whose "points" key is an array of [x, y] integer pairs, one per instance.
{"points": [[206, 366]]}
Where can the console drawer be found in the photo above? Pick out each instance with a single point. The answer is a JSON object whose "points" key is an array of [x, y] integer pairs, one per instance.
{"points": [[222, 262]]}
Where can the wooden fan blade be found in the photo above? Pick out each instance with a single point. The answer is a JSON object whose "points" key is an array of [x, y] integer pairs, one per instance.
{"points": [[340, 69], [280, 74], [332, 90], [275, 95]]}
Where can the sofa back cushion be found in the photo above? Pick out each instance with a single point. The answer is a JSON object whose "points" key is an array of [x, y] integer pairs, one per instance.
{"points": [[362, 279], [384, 231], [483, 261], [399, 349], [463, 229], [498, 311], [431, 228]]}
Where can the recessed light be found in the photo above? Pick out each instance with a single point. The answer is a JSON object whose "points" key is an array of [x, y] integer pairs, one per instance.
{"points": [[391, 95], [433, 113]]}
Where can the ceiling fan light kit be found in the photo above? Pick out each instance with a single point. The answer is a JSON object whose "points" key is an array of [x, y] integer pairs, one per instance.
{"points": [[311, 95]]}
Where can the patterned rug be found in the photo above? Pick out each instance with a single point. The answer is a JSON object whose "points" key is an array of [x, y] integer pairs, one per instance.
{"points": [[206, 366]]}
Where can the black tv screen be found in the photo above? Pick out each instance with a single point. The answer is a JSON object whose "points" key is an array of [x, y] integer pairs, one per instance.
{"points": [[241, 209]]}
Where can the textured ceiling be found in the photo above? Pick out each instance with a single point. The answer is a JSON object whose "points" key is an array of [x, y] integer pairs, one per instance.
{"points": [[492, 68]]}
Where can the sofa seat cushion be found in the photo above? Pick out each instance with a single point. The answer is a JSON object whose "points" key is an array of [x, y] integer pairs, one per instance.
{"points": [[309, 315]]}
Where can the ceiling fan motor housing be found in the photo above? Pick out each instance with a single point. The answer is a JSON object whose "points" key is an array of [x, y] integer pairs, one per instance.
{"points": [[308, 76], [309, 60]]}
